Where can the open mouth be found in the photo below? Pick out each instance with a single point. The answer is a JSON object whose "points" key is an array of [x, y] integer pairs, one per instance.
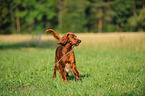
{"points": [[76, 44]]}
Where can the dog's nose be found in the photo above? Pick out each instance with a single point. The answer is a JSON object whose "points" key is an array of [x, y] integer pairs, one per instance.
{"points": [[79, 41]]}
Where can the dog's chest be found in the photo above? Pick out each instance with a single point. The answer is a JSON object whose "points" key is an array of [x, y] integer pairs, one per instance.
{"points": [[67, 67]]}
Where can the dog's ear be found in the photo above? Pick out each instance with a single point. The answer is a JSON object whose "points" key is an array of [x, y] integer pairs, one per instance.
{"points": [[64, 39]]}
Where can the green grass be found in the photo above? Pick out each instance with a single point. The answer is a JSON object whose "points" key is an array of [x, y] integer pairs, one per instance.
{"points": [[28, 70]]}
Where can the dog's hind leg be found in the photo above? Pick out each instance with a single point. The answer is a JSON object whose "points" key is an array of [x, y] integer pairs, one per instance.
{"points": [[54, 72], [55, 67]]}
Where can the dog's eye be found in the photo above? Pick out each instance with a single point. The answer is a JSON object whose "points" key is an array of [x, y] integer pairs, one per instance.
{"points": [[72, 36]]}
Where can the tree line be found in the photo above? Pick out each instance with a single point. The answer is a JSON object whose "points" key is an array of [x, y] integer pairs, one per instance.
{"points": [[32, 16]]}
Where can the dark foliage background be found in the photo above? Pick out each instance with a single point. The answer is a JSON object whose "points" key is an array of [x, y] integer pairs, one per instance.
{"points": [[33, 16]]}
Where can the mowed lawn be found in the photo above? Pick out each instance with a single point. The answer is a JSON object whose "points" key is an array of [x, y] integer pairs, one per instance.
{"points": [[109, 64]]}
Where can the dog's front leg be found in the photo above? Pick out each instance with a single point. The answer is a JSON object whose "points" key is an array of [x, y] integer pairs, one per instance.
{"points": [[75, 72], [62, 72]]}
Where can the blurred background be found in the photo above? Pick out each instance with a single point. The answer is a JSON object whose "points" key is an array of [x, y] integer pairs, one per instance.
{"points": [[78, 16]]}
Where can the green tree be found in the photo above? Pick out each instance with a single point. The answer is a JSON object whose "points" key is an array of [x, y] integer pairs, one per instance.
{"points": [[137, 21], [18, 16], [100, 14], [125, 9], [5, 19], [36, 15], [73, 18]]}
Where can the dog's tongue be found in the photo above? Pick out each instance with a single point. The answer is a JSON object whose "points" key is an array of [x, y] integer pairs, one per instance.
{"points": [[76, 44]]}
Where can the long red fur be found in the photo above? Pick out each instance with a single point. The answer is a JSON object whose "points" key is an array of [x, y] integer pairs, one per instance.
{"points": [[56, 36], [68, 62]]}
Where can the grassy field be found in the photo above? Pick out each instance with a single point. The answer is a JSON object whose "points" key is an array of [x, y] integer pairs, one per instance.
{"points": [[109, 64]]}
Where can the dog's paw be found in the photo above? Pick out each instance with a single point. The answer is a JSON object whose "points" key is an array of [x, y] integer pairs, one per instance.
{"points": [[54, 76], [79, 78]]}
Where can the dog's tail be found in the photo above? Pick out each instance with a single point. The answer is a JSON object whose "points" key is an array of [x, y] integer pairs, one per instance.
{"points": [[56, 36]]}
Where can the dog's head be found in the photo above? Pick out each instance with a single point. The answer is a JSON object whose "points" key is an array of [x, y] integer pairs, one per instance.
{"points": [[70, 38]]}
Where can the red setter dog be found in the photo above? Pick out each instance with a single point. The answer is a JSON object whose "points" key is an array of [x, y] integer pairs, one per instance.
{"points": [[65, 58]]}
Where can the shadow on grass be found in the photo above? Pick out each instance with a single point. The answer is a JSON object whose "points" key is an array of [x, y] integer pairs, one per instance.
{"points": [[30, 44], [71, 77]]}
